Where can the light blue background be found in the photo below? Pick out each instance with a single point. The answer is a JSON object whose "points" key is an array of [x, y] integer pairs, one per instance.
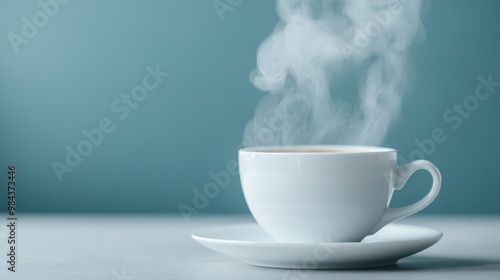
{"points": [[65, 78]]}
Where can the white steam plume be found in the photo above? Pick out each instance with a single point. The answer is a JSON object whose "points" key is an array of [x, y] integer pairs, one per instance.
{"points": [[304, 64]]}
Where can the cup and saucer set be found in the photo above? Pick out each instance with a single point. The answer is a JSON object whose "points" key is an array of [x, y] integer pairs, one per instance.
{"points": [[324, 207]]}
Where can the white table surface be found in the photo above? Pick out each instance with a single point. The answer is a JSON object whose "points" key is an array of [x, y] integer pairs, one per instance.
{"points": [[139, 247]]}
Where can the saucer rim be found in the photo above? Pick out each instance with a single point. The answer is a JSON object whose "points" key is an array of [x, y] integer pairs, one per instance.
{"points": [[437, 235]]}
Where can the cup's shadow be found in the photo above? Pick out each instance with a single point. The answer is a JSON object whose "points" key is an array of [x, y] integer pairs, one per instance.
{"points": [[437, 263]]}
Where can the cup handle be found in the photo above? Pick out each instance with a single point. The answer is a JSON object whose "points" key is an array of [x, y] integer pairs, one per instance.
{"points": [[398, 178]]}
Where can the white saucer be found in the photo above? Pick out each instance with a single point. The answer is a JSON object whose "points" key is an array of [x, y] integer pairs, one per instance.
{"points": [[250, 244]]}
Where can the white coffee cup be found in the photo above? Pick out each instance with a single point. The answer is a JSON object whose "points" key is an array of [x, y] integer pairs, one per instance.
{"points": [[327, 193]]}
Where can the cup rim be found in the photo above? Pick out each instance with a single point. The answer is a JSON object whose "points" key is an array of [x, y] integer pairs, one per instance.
{"points": [[296, 149]]}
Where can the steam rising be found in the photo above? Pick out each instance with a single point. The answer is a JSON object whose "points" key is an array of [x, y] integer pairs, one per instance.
{"points": [[319, 44]]}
